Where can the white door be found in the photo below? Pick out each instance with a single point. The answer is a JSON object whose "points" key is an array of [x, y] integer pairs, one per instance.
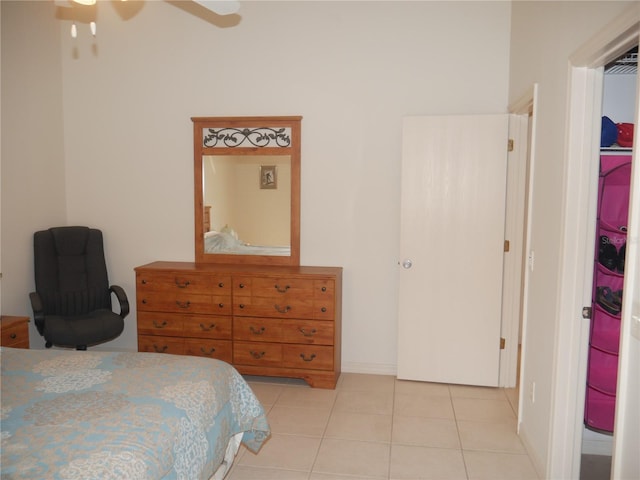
{"points": [[451, 248], [626, 439]]}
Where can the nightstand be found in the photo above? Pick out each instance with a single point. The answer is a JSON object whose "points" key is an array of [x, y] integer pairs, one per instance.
{"points": [[14, 331]]}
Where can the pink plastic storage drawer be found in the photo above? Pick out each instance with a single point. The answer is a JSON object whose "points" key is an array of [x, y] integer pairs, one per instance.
{"points": [[607, 278], [599, 410], [603, 370], [613, 201], [605, 331]]}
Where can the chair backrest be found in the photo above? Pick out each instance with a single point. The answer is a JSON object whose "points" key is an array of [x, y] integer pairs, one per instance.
{"points": [[70, 270]]}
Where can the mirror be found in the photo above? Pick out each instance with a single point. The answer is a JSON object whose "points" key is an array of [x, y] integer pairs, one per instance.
{"points": [[247, 190]]}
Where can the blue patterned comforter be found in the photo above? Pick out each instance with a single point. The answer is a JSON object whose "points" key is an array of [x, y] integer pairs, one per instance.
{"points": [[107, 415]]}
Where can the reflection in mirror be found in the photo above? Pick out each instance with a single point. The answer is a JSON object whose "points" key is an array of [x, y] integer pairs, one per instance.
{"points": [[247, 190], [247, 204]]}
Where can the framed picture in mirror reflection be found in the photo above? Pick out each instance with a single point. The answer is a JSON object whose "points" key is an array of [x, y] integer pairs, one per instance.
{"points": [[268, 177]]}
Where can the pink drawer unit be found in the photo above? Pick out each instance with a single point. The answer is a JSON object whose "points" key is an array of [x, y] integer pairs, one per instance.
{"points": [[605, 331], [599, 410], [614, 184], [603, 370], [606, 278]]}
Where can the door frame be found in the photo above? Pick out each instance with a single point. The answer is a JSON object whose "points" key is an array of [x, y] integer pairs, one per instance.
{"points": [[586, 75], [522, 120]]}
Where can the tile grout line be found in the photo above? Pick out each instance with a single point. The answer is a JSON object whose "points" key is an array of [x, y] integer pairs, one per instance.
{"points": [[324, 431], [455, 418], [393, 411]]}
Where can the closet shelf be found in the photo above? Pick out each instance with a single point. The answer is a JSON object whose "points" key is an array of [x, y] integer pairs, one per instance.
{"points": [[628, 63], [616, 148]]}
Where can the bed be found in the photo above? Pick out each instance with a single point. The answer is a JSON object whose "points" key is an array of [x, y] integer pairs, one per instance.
{"points": [[125, 415], [226, 242]]}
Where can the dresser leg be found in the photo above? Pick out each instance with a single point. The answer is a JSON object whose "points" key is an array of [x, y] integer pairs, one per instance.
{"points": [[322, 380]]}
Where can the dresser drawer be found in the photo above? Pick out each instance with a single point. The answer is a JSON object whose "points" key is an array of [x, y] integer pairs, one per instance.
{"points": [[159, 344], [307, 332], [307, 356], [14, 332], [184, 303], [219, 349], [253, 353], [175, 324], [257, 329], [159, 323], [168, 281], [273, 286], [205, 326], [283, 308], [273, 307]]}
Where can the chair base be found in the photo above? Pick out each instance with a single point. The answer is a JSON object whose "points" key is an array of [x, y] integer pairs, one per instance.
{"points": [[78, 347]]}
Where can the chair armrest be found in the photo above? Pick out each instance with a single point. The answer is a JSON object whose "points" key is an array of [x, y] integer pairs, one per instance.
{"points": [[122, 299], [38, 310]]}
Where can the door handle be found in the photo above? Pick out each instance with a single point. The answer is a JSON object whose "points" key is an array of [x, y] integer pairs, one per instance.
{"points": [[407, 263]]}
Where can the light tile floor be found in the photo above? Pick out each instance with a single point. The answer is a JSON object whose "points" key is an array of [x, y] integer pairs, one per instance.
{"points": [[377, 427]]}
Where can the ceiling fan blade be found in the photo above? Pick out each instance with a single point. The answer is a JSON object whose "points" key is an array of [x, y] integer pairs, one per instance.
{"points": [[221, 7]]}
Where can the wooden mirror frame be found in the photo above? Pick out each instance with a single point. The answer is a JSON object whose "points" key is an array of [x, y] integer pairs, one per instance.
{"points": [[240, 124]]}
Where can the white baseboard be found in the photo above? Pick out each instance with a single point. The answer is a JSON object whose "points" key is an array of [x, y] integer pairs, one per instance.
{"points": [[538, 465], [370, 368], [594, 443]]}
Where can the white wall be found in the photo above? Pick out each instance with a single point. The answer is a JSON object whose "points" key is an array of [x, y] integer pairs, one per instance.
{"points": [[33, 163], [544, 35], [353, 70], [618, 92]]}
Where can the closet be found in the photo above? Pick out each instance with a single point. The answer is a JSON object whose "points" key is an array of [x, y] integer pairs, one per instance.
{"points": [[611, 237]]}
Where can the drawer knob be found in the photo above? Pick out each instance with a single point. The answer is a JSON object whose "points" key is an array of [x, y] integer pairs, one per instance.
{"points": [[144, 301], [184, 284], [13, 336], [280, 309], [324, 289], [144, 282], [308, 333], [241, 305], [309, 358], [323, 309], [159, 325], [183, 304], [241, 285], [207, 352], [207, 329], [160, 349], [221, 305], [221, 285], [282, 289], [257, 355], [257, 331]]}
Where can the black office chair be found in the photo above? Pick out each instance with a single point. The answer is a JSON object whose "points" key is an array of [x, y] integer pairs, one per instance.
{"points": [[72, 302]]}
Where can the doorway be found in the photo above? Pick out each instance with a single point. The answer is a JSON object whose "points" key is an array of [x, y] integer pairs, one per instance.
{"points": [[618, 106], [583, 135], [522, 126]]}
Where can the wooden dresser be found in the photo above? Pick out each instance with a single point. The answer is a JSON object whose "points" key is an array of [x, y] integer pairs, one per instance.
{"points": [[265, 320], [14, 331]]}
